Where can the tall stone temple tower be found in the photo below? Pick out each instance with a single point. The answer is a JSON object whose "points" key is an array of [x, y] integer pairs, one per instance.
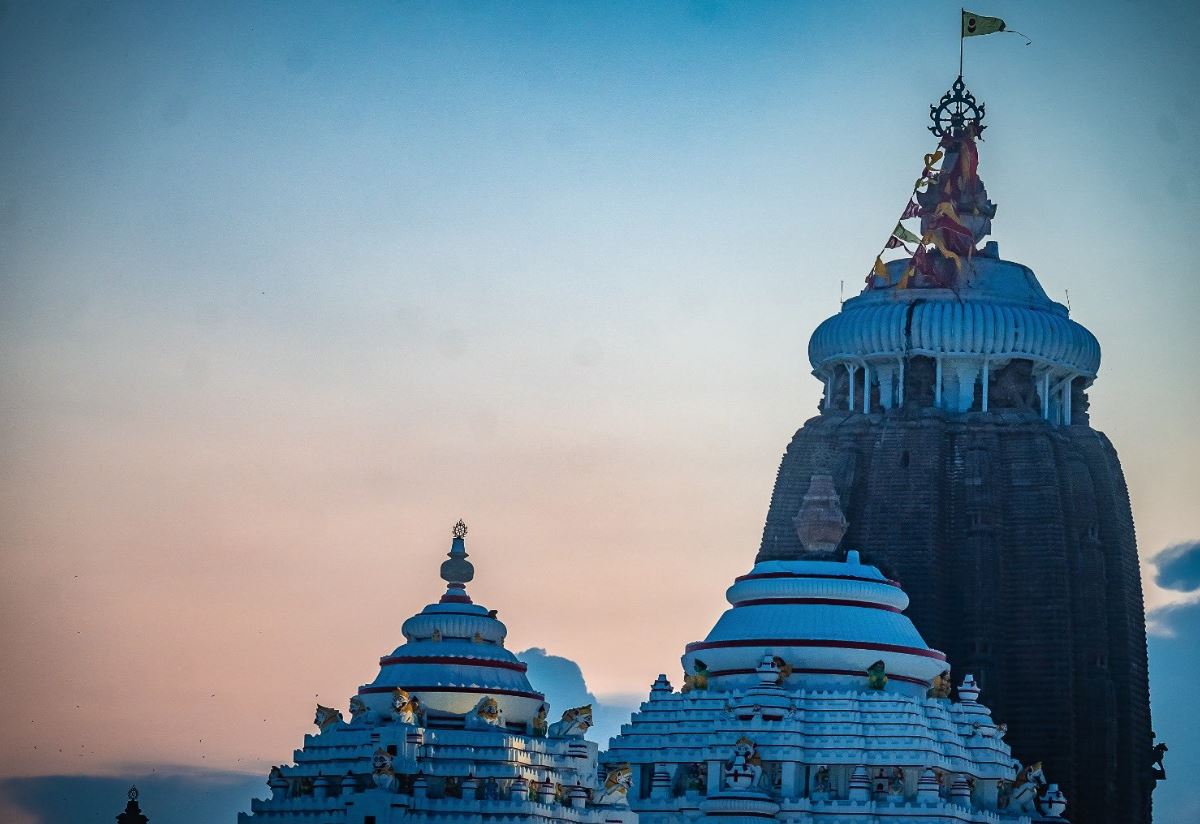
{"points": [[955, 426]]}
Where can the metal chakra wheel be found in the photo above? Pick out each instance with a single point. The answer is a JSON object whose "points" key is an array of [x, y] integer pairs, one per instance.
{"points": [[955, 110]]}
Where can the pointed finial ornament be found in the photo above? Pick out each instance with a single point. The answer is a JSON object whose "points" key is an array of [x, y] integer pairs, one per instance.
{"points": [[133, 793], [457, 570]]}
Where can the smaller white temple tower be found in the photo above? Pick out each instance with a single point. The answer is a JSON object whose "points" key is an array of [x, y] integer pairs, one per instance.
{"points": [[449, 731], [814, 699]]}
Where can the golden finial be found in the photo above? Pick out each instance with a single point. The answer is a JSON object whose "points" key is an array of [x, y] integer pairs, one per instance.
{"points": [[460, 529]]}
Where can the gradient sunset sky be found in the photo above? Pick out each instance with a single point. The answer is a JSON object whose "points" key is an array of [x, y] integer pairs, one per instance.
{"points": [[288, 288]]}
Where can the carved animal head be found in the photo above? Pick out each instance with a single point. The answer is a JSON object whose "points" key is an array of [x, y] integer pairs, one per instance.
{"points": [[488, 708], [357, 707], [619, 777], [582, 716], [401, 700], [381, 762], [326, 717]]}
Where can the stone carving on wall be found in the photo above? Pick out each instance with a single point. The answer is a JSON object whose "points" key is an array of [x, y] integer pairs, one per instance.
{"points": [[575, 722], [876, 676], [487, 713], [539, 726], [698, 679], [617, 782], [327, 718], [941, 685], [744, 770], [382, 771], [358, 710], [405, 707]]}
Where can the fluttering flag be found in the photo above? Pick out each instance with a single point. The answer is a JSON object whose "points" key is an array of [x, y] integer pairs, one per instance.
{"points": [[913, 209], [903, 234], [974, 24], [879, 269]]}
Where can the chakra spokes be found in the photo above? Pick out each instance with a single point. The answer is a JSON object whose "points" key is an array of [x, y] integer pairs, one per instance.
{"points": [[955, 110], [460, 529]]}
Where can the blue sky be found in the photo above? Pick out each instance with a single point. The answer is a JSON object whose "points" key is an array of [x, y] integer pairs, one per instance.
{"points": [[287, 288]]}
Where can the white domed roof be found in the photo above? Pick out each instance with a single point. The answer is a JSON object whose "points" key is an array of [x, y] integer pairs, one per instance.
{"points": [[455, 655], [828, 620]]}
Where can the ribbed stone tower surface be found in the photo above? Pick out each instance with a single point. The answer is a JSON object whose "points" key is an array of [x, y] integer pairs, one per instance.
{"points": [[955, 428]]}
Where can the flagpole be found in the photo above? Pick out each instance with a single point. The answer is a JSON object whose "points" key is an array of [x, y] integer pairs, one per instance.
{"points": [[961, 11]]}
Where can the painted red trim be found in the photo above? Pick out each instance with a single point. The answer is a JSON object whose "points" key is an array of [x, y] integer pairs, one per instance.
{"points": [[918, 681], [451, 659], [804, 642], [754, 576], [442, 688], [832, 602]]}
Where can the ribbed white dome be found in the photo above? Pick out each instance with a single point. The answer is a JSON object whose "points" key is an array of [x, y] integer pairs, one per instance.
{"points": [[1000, 313], [828, 620]]}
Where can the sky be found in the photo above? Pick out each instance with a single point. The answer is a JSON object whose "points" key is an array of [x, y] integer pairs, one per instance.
{"points": [[288, 288]]}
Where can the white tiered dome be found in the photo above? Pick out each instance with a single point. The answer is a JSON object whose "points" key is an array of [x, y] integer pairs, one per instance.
{"points": [[828, 620], [455, 655]]}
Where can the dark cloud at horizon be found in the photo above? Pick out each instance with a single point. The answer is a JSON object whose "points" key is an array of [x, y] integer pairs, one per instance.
{"points": [[182, 796], [562, 682], [1179, 567]]}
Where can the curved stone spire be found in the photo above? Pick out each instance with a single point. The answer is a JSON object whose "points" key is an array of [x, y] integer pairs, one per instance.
{"points": [[820, 523]]}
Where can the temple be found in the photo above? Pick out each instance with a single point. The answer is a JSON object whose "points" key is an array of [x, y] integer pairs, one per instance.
{"points": [[815, 699], [450, 730], [955, 427], [951, 464]]}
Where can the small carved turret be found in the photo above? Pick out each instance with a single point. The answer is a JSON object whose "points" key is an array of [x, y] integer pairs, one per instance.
{"points": [[820, 523]]}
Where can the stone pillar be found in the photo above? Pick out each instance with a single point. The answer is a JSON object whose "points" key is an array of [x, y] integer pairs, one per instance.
{"points": [[927, 788], [546, 792], [787, 783], [937, 384], [987, 377], [886, 375], [716, 773], [960, 791], [860, 784], [578, 796], [660, 782], [321, 787]]}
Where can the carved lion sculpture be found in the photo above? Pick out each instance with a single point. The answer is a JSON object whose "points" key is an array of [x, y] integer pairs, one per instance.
{"points": [[617, 782], [940, 686], [358, 709], [698, 680], [876, 676], [487, 713], [327, 718], [383, 772], [405, 707], [539, 726], [575, 722], [785, 670]]}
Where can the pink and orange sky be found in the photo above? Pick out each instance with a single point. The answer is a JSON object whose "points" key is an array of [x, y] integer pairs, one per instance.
{"points": [[288, 289]]}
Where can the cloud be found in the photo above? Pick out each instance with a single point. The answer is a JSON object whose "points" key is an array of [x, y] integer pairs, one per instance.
{"points": [[562, 681], [181, 796], [1179, 567], [1174, 662]]}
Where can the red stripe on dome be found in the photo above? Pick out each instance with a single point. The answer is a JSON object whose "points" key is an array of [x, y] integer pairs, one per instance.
{"points": [[832, 602], [908, 679], [804, 642], [451, 659], [444, 688], [755, 576]]}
